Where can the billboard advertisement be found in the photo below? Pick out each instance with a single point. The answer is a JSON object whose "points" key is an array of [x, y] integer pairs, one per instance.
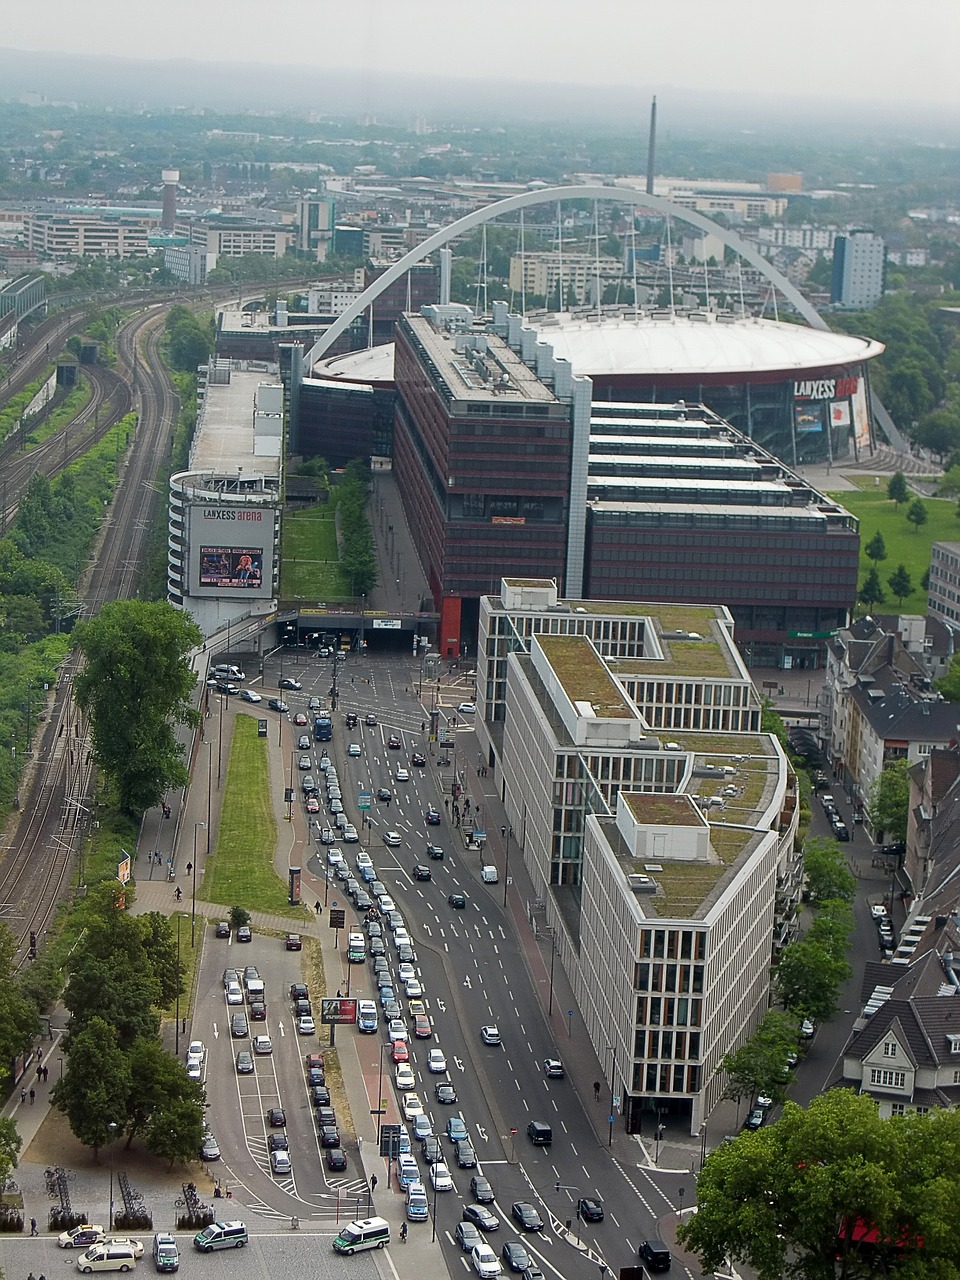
{"points": [[231, 550], [338, 1011]]}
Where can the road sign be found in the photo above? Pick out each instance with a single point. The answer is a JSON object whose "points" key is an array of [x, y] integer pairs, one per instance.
{"points": [[390, 1141], [513, 1132], [364, 799], [338, 918]]}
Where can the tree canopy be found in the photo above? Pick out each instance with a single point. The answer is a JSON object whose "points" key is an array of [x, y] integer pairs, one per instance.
{"points": [[135, 687], [757, 1067], [826, 870], [876, 548], [889, 802], [793, 1199], [897, 489], [900, 582]]}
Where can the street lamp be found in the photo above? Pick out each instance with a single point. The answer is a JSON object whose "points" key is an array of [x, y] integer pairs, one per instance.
{"points": [[193, 907], [113, 1129], [613, 1080], [553, 957], [507, 832], [703, 1143], [176, 1030], [560, 1186], [681, 1192]]}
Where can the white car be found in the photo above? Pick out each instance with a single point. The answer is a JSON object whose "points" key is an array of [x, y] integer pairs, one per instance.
{"points": [[250, 695], [489, 875], [440, 1177], [280, 1162], [485, 1262], [405, 1079], [195, 1050], [396, 1029], [436, 1061], [392, 838], [878, 911], [350, 833], [306, 1026], [467, 708], [402, 775], [335, 858], [400, 935], [413, 988], [354, 749], [234, 993], [406, 971], [363, 859], [411, 1106], [490, 1034], [386, 904]]}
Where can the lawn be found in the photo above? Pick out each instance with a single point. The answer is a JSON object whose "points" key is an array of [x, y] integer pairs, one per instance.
{"points": [[240, 869], [310, 564], [905, 546]]}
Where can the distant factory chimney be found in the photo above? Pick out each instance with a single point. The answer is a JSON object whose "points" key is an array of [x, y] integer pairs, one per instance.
{"points": [[170, 179], [652, 146]]}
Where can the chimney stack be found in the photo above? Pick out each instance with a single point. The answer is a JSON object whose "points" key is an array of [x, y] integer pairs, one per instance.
{"points": [[652, 146]]}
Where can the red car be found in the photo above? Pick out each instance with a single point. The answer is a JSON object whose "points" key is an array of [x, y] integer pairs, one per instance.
{"points": [[422, 1027], [300, 719], [313, 804], [400, 1052]]}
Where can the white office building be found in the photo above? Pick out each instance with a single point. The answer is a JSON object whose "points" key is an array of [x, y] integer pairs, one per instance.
{"points": [[656, 822], [859, 258]]}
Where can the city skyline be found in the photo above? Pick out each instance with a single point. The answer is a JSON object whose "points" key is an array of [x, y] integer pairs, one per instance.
{"points": [[843, 52]]}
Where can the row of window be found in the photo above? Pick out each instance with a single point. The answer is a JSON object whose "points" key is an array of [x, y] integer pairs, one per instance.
{"points": [[678, 978], [666, 1044], [666, 1078], [672, 944], [670, 1011]]}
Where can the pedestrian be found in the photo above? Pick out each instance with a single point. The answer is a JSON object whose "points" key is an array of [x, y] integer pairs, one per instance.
{"points": [[446, 803], [23, 1095], [39, 1073], [339, 994], [403, 1232], [39, 1054], [316, 906], [46, 1072], [373, 1183], [33, 1227], [33, 1096], [31, 1276], [478, 770], [596, 1090]]}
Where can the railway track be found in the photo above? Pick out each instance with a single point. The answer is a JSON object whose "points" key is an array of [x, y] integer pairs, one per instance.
{"points": [[36, 866]]}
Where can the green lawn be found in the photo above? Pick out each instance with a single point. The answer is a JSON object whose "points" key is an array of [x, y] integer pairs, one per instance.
{"points": [[310, 563], [905, 546], [240, 871]]}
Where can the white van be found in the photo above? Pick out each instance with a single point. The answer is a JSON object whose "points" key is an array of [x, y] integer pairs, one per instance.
{"points": [[224, 671], [109, 1256], [365, 1233]]}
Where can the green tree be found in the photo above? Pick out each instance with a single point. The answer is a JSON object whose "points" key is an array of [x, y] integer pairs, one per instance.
{"points": [[159, 941], [901, 584], [159, 1086], [939, 431], [105, 989], [19, 1024], [786, 1200], [10, 1144], [917, 514], [949, 685], [238, 916], [876, 548], [826, 871], [135, 686], [757, 1066], [96, 1082], [949, 483], [897, 490], [808, 979], [871, 592], [175, 1131], [889, 802]]}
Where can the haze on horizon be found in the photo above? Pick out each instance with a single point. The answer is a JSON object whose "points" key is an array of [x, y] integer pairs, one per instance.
{"points": [[868, 50]]}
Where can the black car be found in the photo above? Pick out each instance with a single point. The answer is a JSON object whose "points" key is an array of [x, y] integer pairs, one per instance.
{"points": [[336, 1160], [482, 1189], [430, 1146], [223, 929], [299, 991], [419, 759], [278, 1142], [320, 1095], [384, 793], [481, 1217], [406, 953], [329, 1136], [458, 901], [239, 1027], [589, 1210], [277, 704], [515, 1255], [351, 720], [326, 1116], [526, 1216], [288, 683], [434, 851], [315, 1077], [244, 933], [466, 1156], [276, 1118], [258, 1011], [420, 872], [433, 817], [446, 1093], [302, 1009]]}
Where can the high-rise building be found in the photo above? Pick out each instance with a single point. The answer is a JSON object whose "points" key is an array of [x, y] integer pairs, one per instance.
{"points": [[858, 265], [315, 223]]}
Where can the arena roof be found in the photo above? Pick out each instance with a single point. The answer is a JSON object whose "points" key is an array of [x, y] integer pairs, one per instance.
{"points": [[663, 345]]}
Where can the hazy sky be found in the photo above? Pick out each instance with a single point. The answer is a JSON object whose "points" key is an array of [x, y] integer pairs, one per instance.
{"points": [[880, 50]]}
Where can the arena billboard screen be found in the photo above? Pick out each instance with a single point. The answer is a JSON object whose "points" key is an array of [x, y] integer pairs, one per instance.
{"points": [[231, 551]]}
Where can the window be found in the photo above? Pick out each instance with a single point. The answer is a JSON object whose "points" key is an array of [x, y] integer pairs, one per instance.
{"points": [[888, 1079], [889, 1048], [897, 1109]]}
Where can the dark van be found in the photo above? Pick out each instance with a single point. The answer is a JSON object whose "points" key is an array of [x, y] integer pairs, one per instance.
{"points": [[540, 1134]]}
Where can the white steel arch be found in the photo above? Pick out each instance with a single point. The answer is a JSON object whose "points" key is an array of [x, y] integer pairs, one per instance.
{"points": [[551, 195]]}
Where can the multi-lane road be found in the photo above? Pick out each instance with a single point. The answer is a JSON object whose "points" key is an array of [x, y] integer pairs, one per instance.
{"points": [[474, 972]]}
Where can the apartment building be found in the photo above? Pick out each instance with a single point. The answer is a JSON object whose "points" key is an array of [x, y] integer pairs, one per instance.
{"points": [[90, 233], [540, 273]]}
